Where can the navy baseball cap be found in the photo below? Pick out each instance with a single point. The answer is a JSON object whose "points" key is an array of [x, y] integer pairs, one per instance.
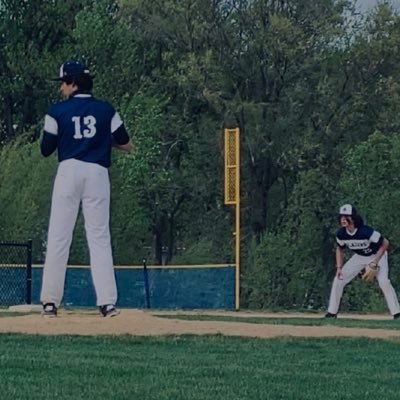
{"points": [[72, 68]]}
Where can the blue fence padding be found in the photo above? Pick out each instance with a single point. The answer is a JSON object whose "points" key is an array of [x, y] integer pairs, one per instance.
{"points": [[181, 288], [12, 285]]}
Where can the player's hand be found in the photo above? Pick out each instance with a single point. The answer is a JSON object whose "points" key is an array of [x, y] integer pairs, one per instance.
{"points": [[339, 273]]}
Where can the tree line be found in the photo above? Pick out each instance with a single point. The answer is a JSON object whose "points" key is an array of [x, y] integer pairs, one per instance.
{"points": [[313, 87]]}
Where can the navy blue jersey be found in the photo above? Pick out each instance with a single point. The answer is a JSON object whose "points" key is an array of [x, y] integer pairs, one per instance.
{"points": [[83, 128], [365, 241]]}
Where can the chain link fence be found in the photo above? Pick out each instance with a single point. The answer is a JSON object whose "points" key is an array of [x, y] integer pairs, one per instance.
{"points": [[15, 273]]}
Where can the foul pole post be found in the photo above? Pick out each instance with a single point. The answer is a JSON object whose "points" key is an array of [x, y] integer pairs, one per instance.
{"points": [[232, 194]]}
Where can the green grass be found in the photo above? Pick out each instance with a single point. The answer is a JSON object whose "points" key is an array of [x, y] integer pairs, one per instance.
{"points": [[348, 323], [190, 367]]}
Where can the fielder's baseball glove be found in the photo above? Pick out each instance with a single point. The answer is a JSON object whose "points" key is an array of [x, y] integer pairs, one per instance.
{"points": [[371, 270]]}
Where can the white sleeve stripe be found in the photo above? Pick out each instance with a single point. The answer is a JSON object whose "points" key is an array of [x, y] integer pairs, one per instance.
{"points": [[340, 242], [116, 122], [50, 125], [375, 237]]}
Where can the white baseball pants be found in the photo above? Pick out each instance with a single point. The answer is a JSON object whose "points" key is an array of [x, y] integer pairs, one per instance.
{"points": [[87, 183], [350, 270]]}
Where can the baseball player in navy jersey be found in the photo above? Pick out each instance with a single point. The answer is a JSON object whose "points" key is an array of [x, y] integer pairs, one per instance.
{"points": [[370, 247], [83, 130]]}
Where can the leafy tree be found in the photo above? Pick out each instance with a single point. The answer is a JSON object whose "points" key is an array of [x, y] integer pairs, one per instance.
{"points": [[292, 265], [26, 181], [31, 35]]}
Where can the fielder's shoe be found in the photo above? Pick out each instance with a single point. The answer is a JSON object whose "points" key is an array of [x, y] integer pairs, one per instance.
{"points": [[329, 315], [108, 310], [396, 316], [49, 310]]}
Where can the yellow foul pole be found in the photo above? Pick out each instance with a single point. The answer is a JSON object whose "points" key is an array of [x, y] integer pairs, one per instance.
{"points": [[232, 194]]}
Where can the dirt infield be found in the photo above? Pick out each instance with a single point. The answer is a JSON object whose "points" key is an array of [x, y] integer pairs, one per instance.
{"points": [[146, 323]]}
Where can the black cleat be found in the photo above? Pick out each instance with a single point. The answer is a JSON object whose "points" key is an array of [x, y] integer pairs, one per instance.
{"points": [[329, 315], [108, 311], [396, 316], [49, 310]]}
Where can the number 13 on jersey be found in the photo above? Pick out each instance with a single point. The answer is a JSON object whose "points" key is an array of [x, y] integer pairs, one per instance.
{"points": [[85, 130]]}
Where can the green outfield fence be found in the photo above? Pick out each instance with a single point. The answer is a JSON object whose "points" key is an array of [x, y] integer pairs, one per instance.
{"points": [[15, 283]]}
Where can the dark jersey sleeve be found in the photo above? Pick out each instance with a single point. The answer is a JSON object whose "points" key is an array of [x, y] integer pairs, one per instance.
{"points": [[118, 130], [48, 144], [50, 136], [121, 135], [340, 238]]}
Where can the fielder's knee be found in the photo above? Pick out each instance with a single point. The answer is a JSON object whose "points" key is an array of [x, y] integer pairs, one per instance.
{"points": [[339, 282]]}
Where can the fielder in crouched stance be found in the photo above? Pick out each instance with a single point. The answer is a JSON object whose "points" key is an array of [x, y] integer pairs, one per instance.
{"points": [[370, 249]]}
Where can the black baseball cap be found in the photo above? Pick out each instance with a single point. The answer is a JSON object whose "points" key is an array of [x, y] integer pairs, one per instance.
{"points": [[72, 68]]}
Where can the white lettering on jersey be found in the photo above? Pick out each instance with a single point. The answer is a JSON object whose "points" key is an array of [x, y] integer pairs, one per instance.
{"points": [[357, 244], [89, 127]]}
